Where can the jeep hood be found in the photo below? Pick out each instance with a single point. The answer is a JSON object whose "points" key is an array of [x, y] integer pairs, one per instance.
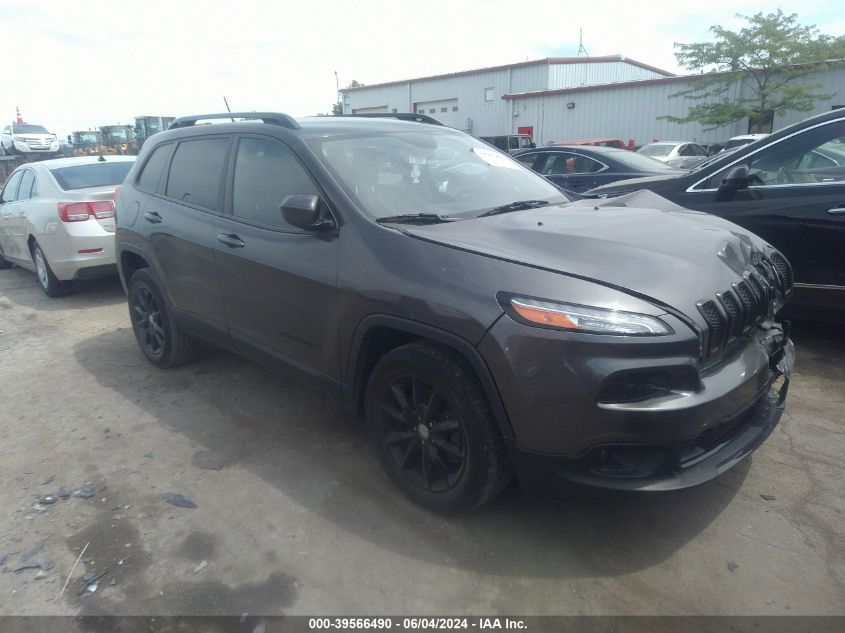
{"points": [[639, 243]]}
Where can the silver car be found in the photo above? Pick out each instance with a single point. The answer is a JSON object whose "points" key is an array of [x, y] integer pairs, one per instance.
{"points": [[676, 154], [57, 219]]}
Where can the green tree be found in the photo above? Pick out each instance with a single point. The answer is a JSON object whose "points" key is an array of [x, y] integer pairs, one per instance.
{"points": [[337, 108], [772, 55]]}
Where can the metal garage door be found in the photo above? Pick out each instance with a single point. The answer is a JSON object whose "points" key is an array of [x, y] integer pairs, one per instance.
{"points": [[369, 110], [446, 111]]}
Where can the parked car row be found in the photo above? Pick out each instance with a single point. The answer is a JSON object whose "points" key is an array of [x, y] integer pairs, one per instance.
{"points": [[485, 322]]}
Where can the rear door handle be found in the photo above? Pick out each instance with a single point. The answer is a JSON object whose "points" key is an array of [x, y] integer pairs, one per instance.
{"points": [[231, 240], [837, 211], [152, 216]]}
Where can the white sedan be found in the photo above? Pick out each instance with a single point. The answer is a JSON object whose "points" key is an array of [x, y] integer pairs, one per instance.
{"points": [[57, 219], [675, 153]]}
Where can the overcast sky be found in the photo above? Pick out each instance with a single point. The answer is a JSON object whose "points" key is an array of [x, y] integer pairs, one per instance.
{"points": [[74, 64]]}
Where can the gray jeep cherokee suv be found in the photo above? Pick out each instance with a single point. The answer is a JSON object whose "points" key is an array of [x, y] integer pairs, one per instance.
{"points": [[482, 321]]}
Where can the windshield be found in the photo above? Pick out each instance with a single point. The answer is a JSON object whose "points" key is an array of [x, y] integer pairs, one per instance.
{"points": [[639, 161], [107, 174], [88, 137], [656, 149], [440, 172], [29, 129], [117, 133]]}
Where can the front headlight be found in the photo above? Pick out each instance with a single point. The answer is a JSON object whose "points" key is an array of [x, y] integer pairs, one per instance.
{"points": [[577, 318]]}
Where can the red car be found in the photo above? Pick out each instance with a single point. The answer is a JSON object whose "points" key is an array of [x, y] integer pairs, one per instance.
{"points": [[618, 143]]}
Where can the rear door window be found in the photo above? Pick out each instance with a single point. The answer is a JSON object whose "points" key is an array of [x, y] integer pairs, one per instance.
{"points": [[527, 159], [27, 182], [513, 142], [197, 172], [558, 163], [10, 191], [151, 173]]}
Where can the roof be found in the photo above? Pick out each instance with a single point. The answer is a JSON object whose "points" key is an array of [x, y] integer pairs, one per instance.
{"points": [[536, 62], [320, 125], [307, 127], [635, 83]]}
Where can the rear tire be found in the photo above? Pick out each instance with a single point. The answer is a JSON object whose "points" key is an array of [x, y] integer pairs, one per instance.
{"points": [[50, 284], [433, 429], [161, 339]]}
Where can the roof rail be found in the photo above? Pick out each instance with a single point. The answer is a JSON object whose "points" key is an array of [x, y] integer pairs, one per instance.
{"points": [[402, 116], [271, 118]]}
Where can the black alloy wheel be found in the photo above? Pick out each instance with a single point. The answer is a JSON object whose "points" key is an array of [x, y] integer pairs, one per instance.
{"points": [[161, 338], [147, 322], [433, 430], [423, 433]]}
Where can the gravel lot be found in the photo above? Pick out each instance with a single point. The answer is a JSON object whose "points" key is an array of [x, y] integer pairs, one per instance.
{"points": [[294, 516]]}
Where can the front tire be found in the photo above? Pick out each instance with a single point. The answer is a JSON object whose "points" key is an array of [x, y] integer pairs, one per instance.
{"points": [[50, 284], [433, 429], [162, 340]]}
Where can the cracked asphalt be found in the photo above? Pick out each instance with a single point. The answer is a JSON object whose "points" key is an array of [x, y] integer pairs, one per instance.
{"points": [[294, 516]]}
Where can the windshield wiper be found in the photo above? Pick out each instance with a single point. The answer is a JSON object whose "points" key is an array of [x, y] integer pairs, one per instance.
{"points": [[416, 218], [519, 205]]}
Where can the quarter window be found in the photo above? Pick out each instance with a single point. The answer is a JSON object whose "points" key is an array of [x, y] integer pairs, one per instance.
{"points": [[196, 173], [266, 173], [151, 173]]}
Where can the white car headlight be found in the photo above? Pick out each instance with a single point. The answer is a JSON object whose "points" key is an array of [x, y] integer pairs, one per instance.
{"points": [[577, 318]]}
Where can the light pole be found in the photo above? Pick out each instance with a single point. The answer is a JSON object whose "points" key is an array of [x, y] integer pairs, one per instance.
{"points": [[337, 92]]}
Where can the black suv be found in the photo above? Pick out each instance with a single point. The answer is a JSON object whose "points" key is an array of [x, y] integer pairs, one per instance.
{"points": [[481, 321]]}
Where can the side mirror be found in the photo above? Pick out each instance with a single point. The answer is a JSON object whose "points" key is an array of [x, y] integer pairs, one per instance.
{"points": [[533, 145], [303, 211], [738, 178]]}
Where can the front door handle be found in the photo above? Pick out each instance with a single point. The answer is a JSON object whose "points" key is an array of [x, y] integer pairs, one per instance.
{"points": [[231, 240], [152, 216], [837, 211]]}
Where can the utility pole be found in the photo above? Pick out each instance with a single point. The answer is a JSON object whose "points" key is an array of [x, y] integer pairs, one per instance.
{"points": [[337, 92]]}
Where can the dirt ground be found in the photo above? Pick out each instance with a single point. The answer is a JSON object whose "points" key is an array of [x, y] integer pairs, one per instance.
{"points": [[294, 516]]}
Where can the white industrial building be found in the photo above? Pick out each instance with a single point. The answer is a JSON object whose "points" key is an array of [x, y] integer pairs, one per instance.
{"points": [[568, 98]]}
